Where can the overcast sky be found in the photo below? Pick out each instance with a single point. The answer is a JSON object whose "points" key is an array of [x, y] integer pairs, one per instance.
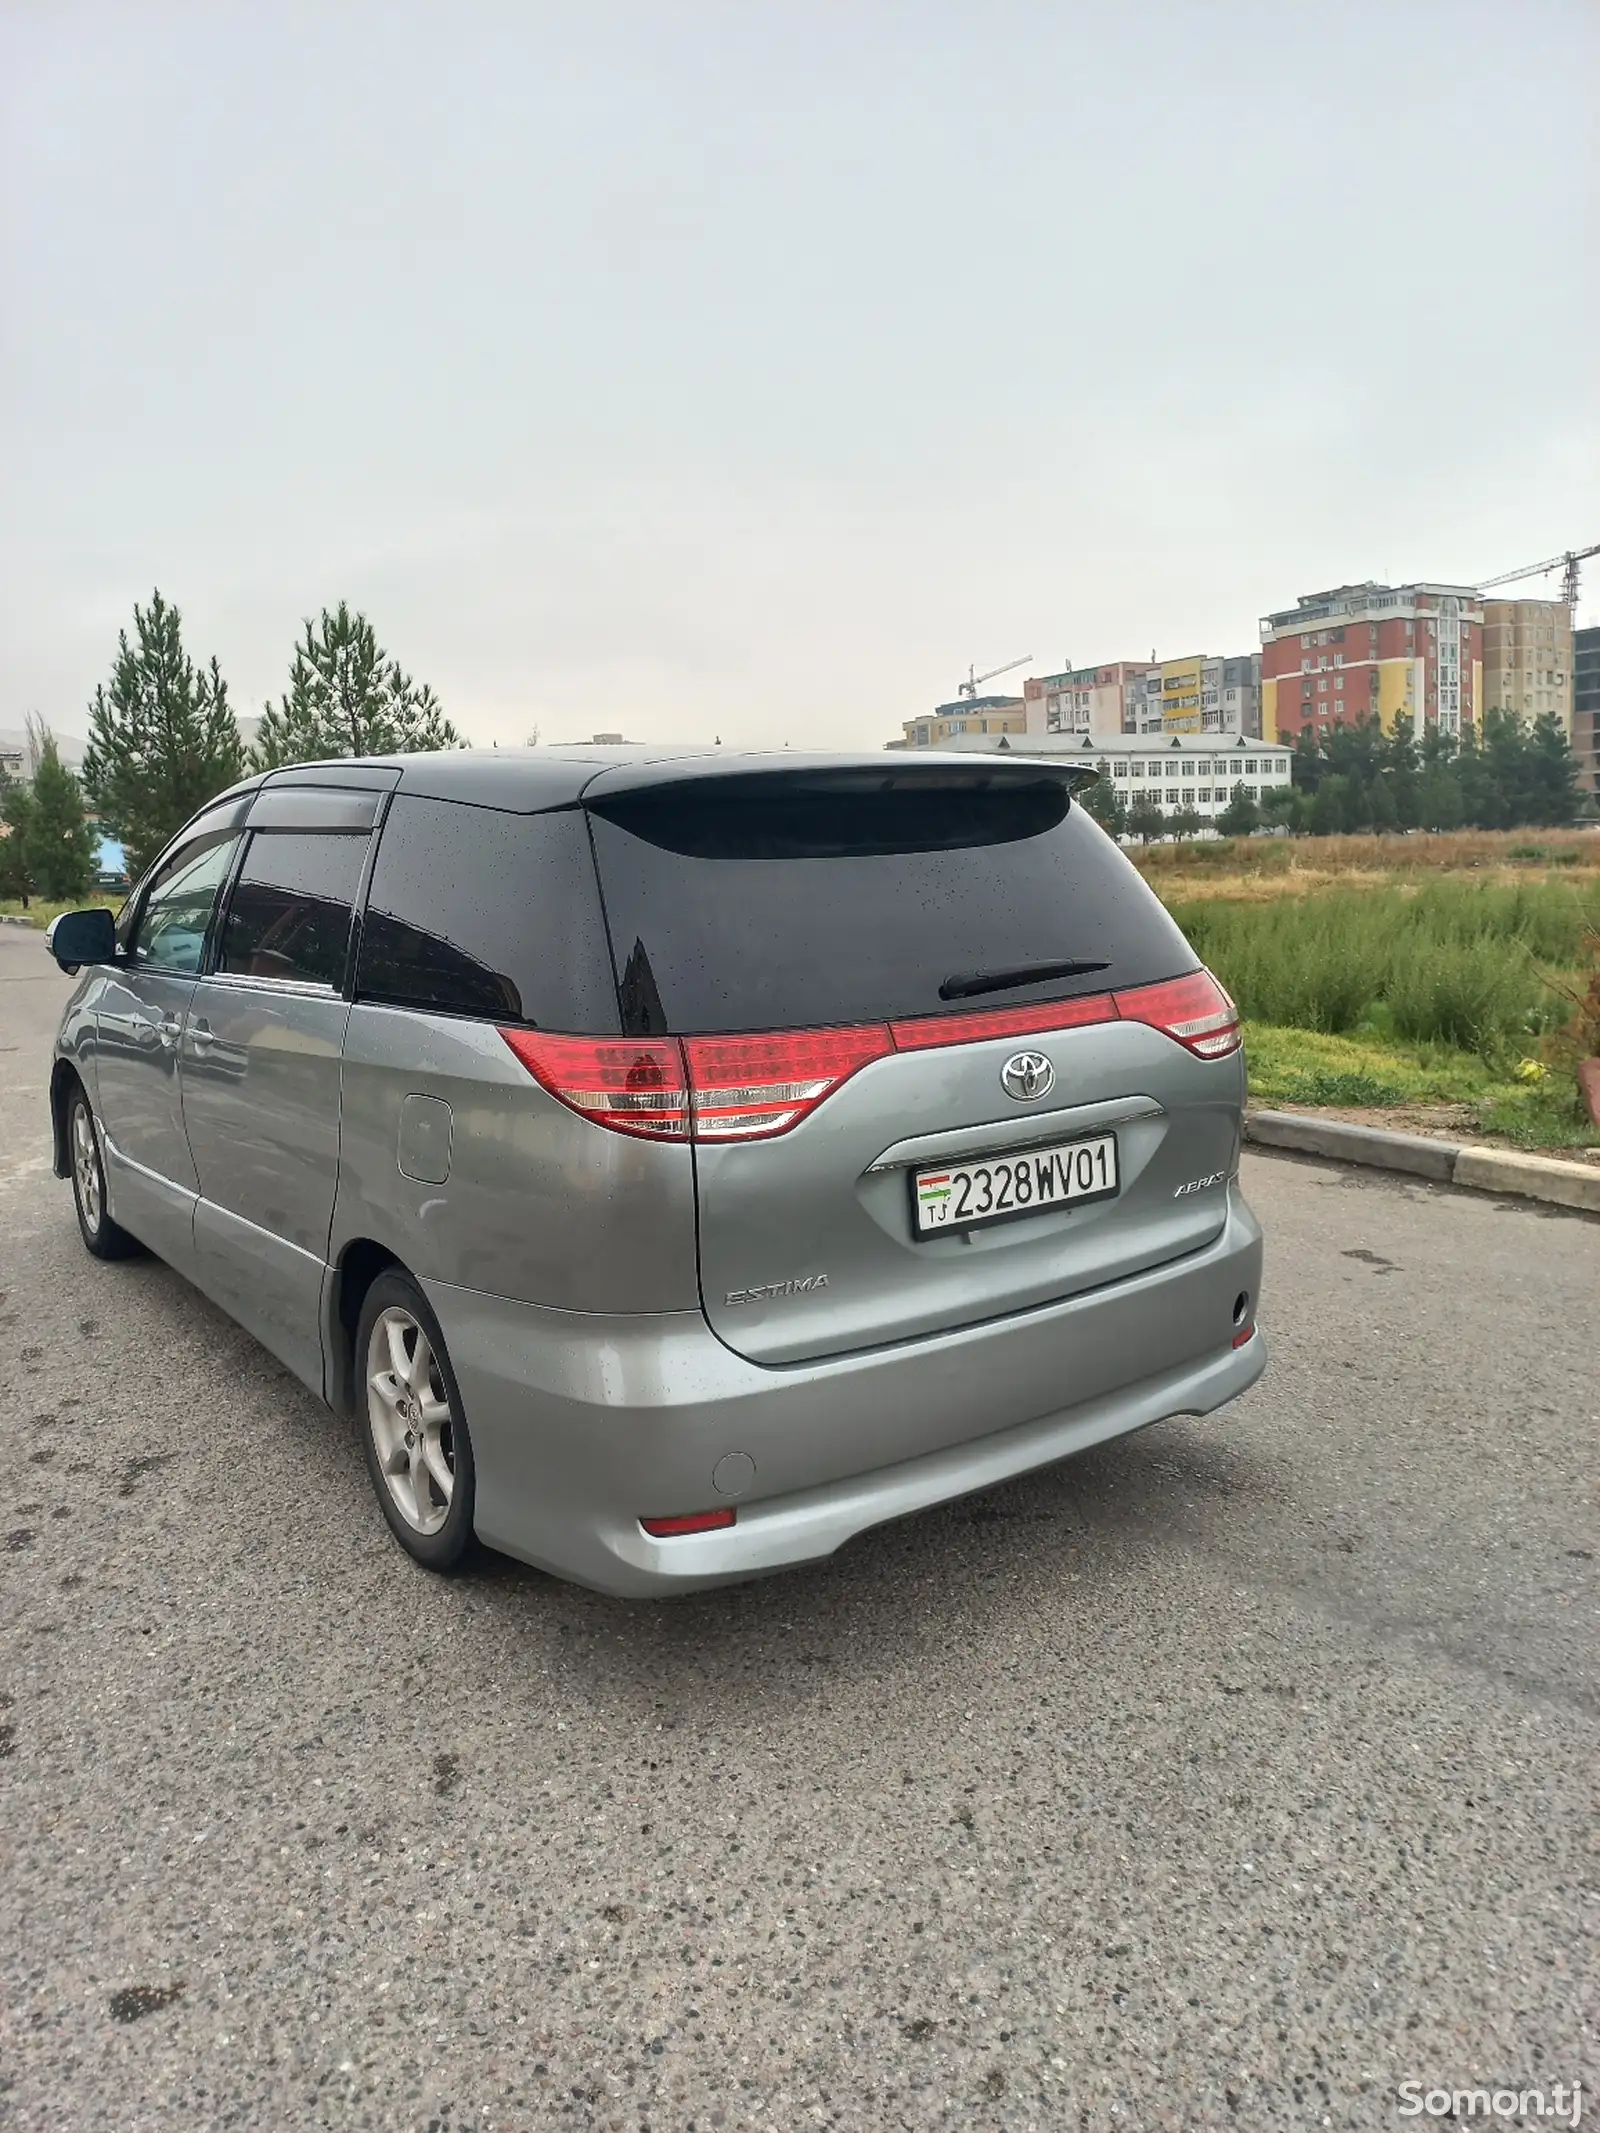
{"points": [[751, 369]]}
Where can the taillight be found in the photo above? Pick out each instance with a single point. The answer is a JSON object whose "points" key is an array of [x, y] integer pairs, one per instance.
{"points": [[973, 1026], [748, 1088], [632, 1085], [1194, 1010], [713, 1088]]}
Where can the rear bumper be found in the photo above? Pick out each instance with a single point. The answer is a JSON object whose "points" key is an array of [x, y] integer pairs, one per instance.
{"points": [[581, 1423]]}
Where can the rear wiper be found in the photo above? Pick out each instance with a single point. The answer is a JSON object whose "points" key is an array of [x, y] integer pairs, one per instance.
{"points": [[964, 988]]}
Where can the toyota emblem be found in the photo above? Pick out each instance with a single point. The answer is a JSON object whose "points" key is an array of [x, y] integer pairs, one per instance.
{"points": [[1027, 1075]]}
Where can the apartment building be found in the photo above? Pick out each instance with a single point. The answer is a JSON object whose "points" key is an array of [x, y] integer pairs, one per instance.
{"points": [[1230, 699], [1194, 694], [1527, 658], [1404, 654], [1197, 694], [968, 714], [1586, 707], [1083, 699]]}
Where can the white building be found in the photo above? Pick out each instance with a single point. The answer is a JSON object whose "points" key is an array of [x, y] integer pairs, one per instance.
{"points": [[1170, 770]]}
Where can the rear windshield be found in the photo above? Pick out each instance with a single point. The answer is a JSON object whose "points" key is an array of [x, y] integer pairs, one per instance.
{"points": [[783, 902]]}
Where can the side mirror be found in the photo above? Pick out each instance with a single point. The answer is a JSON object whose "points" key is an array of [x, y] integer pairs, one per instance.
{"points": [[79, 937]]}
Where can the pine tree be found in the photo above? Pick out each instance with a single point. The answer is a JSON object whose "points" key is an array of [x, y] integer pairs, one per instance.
{"points": [[16, 827], [162, 740], [1492, 775], [1439, 797], [347, 697], [1307, 765], [1403, 775], [61, 846], [1551, 789]]}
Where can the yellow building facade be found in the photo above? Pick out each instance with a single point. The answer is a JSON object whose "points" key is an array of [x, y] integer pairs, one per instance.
{"points": [[1182, 687]]}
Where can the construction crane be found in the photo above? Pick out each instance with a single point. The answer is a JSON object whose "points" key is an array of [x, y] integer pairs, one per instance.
{"points": [[974, 682], [1567, 564]]}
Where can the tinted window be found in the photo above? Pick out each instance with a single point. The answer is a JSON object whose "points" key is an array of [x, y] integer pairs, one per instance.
{"points": [[474, 911], [289, 914], [303, 807], [177, 909], [789, 901]]}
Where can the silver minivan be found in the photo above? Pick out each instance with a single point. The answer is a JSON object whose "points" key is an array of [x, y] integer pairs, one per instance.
{"points": [[678, 1160]]}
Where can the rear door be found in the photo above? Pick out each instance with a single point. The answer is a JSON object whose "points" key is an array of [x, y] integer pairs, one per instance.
{"points": [[883, 947]]}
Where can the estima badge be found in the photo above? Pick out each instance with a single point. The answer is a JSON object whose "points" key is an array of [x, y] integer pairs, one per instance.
{"points": [[1027, 1076], [804, 1285]]}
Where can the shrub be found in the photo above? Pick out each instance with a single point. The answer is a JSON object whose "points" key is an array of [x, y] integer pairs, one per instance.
{"points": [[1470, 964], [1304, 965], [1474, 994], [1550, 919]]}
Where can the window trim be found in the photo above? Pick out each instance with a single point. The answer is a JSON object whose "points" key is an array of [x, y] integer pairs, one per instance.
{"points": [[358, 912], [224, 901], [133, 961], [340, 810], [139, 895], [312, 987]]}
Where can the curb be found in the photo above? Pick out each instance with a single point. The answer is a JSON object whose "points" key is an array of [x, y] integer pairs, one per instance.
{"points": [[1497, 1170]]}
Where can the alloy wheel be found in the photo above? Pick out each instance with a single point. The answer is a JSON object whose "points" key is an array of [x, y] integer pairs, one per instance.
{"points": [[86, 1167], [408, 1412]]}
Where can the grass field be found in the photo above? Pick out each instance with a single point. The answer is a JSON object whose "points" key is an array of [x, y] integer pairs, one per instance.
{"points": [[1265, 868], [1443, 978], [40, 914], [1414, 1088]]}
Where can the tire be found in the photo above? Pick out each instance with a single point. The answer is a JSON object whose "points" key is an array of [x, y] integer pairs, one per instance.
{"points": [[413, 1429], [103, 1237]]}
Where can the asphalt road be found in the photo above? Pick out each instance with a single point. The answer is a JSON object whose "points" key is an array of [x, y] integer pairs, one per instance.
{"points": [[1229, 1777]]}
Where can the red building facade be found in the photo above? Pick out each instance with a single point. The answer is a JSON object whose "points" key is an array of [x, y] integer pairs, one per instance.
{"points": [[1409, 654]]}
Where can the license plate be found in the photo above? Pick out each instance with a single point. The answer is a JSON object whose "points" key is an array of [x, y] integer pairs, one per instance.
{"points": [[1001, 1188]]}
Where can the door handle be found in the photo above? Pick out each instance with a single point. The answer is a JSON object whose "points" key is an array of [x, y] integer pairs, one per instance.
{"points": [[168, 1029], [201, 1036]]}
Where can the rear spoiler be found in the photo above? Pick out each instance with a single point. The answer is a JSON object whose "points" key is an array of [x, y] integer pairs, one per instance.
{"points": [[821, 775]]}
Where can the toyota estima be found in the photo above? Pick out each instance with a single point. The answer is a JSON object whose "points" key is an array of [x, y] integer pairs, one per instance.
{"points": [[678, 1161]]}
